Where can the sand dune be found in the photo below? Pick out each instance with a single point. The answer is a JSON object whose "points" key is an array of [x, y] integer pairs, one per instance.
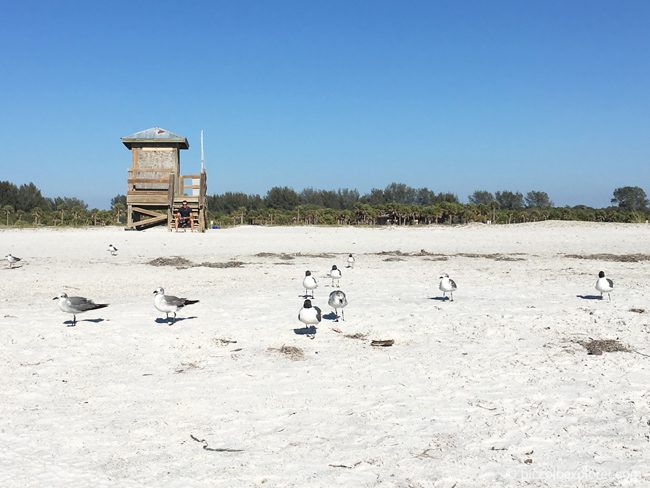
{"points": [[493, 389]]}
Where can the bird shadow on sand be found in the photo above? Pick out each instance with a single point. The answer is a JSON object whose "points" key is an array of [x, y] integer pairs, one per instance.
{"points": [[16, 266], [311, 297], [440, 299], [171, 321], [70, 323], [590, 297], [306, 331], [330, 316]]}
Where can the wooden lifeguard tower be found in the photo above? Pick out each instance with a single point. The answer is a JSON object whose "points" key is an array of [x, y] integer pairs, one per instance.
{"points": [[155, 186]]}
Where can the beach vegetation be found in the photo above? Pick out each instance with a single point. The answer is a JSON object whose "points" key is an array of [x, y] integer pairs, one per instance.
{"points": [[396, 204]]}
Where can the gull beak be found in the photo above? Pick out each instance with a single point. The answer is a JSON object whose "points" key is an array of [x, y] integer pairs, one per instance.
{"points": [[55, 298]]}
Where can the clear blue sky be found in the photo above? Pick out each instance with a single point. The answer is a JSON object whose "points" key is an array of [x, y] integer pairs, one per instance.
{"points": [[455, 95]]}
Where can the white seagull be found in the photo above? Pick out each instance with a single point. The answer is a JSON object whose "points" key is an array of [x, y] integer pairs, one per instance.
{"points": [[309, 315], [447, 285], [350, 261], [169, 303], [77, 305], [12, 260], [335, 274], [309, 283], [604, 285], [338, 300], [112, 249]]}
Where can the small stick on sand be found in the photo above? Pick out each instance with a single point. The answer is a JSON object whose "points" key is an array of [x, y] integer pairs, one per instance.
{"points": [[217, 449]]}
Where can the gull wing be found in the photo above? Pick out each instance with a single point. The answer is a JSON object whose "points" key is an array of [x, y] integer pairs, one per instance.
{"points": [[83, 304], [173, 301]]}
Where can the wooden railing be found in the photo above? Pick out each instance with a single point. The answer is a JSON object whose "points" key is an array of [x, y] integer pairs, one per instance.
{"points": [[191, 186], [149, 189]]}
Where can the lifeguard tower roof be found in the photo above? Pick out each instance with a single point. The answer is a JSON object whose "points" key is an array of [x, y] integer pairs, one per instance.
{"points": [[157, 136]]}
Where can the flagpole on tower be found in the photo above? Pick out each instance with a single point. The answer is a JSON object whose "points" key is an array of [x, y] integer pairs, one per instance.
{"points": [[202, 160]]}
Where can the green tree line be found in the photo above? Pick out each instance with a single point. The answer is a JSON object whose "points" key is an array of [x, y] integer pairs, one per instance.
{"points": [[397, 203], [404, 205], [25, 205]]}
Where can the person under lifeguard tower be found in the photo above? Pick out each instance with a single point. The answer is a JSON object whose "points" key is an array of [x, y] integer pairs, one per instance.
{"points": [[184, 217]]}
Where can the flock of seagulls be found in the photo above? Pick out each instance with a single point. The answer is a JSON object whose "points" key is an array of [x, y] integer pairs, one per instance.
{"points": [[168, 304], [309, 314]]}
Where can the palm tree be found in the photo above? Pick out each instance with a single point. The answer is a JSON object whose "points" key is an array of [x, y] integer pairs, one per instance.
{"points": [[494, 206], [298, 209], [345, 217], [8, 210], [77, 213], [242, 212], [119, 209], [94, 213], [37, 213]]}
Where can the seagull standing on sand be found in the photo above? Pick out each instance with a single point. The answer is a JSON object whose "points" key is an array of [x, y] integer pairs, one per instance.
{"points": [[169, 304], [338, 300], [12, 260], [309, 282], [335, 274], [309, 315], [77, 305], [447, 285], [604, 285], [112, 249], [350, 261]]}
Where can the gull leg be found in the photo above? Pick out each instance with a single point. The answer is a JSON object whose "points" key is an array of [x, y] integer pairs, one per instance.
{"points": [[336, 312], [609, 296], [452, 296], [342, 314], [74, 320]]}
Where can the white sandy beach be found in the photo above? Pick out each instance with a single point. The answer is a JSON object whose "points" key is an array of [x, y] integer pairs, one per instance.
{"points": [[489, 390]]}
